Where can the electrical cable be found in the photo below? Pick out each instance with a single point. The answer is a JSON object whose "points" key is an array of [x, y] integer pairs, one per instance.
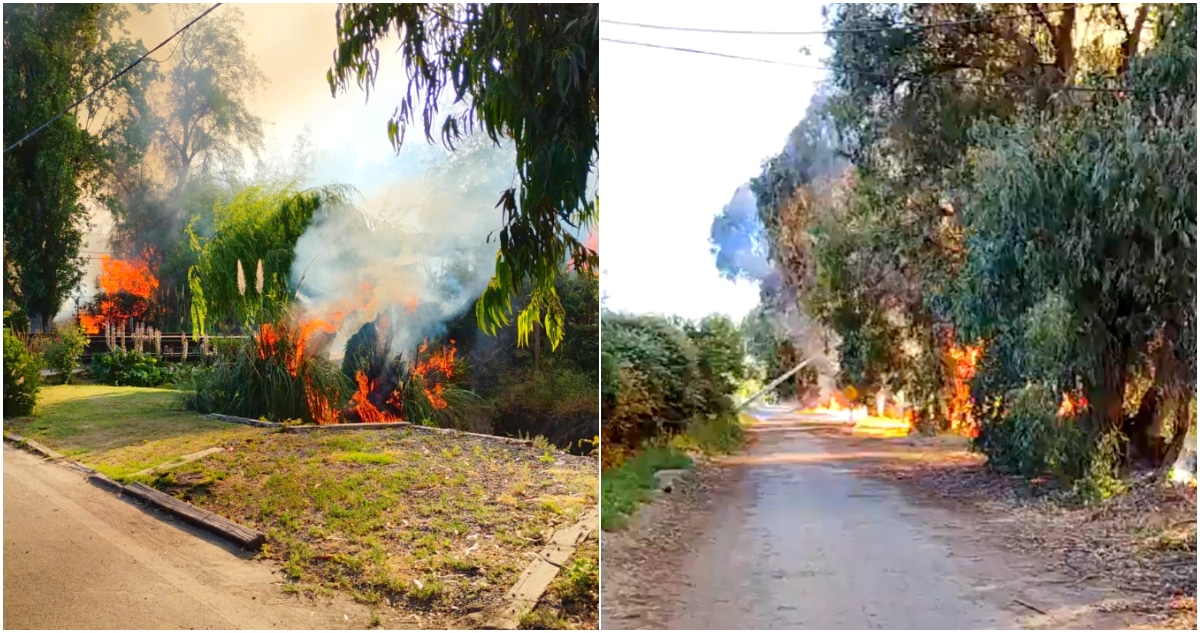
{"points": [[112, 79], [919, 27], [865, 73]]}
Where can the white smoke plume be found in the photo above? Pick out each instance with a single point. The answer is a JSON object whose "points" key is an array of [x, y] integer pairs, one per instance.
{"points": [[416, 250]]}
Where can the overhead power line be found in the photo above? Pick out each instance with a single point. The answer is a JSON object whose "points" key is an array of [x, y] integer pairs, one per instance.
{"points": [[878, 29], [953, 80], [113, 78]]}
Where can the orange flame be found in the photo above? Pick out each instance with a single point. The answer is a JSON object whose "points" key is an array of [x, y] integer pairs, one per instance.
{"points": [[91, 324], [440, 362], [1072, 407], [360, 405], [320, 407], [887, 422], [964, 360], [128, 277], [272, 338]]}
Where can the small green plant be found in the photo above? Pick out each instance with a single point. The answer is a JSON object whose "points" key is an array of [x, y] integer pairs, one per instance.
{"points": [[1100, 481], [22, 376], [128, 368], [580, 581], [547, 457], [428, 592], [64, 351]]}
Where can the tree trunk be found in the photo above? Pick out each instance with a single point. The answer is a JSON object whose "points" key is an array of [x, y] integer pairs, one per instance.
{"points": [[1064, 44], [1140, 428], [1133, 39], [1177, 442], [1113, 391]]}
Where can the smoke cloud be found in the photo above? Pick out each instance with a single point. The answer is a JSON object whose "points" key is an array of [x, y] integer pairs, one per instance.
{"points": [[738, 241], [415, 251]]}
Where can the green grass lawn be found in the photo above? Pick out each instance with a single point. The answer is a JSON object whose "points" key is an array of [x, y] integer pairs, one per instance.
{"points": [[121, 430], [439, 524]]}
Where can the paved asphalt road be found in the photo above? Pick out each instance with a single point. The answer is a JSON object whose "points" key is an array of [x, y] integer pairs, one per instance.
{"points": [[79, 557]]}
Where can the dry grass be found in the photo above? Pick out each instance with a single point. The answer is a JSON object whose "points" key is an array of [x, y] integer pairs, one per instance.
{"points": [[432, 524]]}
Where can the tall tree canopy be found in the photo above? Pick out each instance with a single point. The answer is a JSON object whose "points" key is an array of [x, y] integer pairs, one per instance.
{"points": [[203, 113], [1021, 176], [54, 55], [525, 72]]}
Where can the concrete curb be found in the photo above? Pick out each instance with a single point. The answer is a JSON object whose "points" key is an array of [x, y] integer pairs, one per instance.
{"points": [[352, 426], [528, 590], [34, 445], [226, 529], [247, 421]]}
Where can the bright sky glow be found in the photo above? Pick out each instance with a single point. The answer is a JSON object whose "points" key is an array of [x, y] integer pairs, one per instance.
{"points": [[682, 132]]}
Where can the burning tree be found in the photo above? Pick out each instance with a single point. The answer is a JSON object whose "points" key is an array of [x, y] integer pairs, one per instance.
{"points": [[127, 288]]}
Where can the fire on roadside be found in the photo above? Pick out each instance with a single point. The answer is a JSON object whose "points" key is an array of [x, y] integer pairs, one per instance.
{"points": [[886, 421]]}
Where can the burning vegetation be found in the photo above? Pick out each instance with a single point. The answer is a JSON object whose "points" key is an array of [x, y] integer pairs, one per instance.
{"points": [[127, 289]]}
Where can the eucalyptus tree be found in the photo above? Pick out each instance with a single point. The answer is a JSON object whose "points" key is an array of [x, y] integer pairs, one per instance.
{"points": [[528, 73]]}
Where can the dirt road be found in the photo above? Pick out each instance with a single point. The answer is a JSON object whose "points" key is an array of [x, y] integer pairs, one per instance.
{"points": [[789, 537], [77, 557]]}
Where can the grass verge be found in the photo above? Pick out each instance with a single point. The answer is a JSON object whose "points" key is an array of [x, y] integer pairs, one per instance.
{"points": [[121, 430], [628, 484], [572, 601], [436, 524], [622, 488]]}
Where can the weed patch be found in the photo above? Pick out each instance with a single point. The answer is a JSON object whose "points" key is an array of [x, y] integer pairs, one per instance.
{"points": [[627, 485]]}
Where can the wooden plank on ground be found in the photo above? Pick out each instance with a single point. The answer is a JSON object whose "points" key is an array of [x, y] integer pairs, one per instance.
{"points": [[541, 572], [191, 457], [244, 536]]}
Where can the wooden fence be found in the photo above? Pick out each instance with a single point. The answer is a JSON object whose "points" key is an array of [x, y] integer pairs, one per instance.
{"points": [[171, 346]]}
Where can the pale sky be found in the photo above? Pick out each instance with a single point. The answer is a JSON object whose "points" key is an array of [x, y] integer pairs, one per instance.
{"points": [[682, 132]]}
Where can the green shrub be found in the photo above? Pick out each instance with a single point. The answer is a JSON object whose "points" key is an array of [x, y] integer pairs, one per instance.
{"points": [[65, 350], [558, 403], [361, 350], [622, 488], [720, 360], [1028, 437], [1100, 481], [128, 368], [659, 358], [712, 434], [22, 376]]}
